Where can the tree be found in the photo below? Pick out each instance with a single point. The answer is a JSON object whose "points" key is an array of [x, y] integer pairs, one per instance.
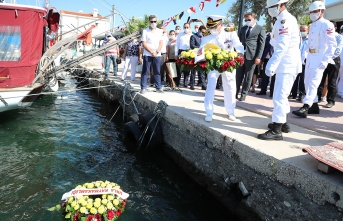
{"points": [[137, 24], [296, 7]]}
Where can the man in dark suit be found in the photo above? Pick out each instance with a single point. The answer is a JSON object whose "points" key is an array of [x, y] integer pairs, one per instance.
{"points": [[195, 42], [267, 54], [253, 38]]}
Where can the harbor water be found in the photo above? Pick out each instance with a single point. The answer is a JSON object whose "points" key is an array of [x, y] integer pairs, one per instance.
{"points": [[59, 142]]}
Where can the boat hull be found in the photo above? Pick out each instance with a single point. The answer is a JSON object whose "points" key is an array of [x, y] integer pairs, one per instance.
{"points": [[14, 98]]}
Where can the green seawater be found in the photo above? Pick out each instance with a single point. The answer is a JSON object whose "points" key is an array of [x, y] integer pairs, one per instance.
{"points": [[54, 145]]}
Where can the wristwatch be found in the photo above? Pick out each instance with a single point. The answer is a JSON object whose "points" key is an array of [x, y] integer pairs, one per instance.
{"points": [[157, 52]]}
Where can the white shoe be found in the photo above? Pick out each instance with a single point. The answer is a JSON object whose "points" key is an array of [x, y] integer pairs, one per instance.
{"points": [[232, 117], [208, 118]]}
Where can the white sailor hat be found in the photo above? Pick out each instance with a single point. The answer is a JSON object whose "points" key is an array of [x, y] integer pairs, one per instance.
{"points": [[108, 34], [341, 27], [214, 20]]}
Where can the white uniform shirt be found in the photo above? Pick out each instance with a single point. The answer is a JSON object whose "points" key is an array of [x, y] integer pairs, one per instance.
{"points": [[225, 40], [285, 39], [182, 42], [152, 39], [321, 39]]}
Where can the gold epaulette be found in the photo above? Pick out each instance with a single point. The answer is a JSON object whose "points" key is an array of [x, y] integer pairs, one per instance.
{"points": [[230, 29], [207, 33]]}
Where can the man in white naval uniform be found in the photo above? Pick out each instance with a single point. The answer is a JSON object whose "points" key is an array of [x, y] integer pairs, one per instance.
{"points": [[321, 47], [285, 63], [226, 39]]}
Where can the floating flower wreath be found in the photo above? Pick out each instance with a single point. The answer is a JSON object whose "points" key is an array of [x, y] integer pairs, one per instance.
{"points": [[210, 57], [95, 201]]}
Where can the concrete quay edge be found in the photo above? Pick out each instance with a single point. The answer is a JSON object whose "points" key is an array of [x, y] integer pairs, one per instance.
{"points": [[222, 153]]}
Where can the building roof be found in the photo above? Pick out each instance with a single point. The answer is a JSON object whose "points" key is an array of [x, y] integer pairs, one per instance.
{"points": [[65, 12], [333, 4]]}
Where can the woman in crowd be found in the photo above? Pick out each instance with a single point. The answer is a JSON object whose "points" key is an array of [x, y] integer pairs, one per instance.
{"points": [[130, 56]]}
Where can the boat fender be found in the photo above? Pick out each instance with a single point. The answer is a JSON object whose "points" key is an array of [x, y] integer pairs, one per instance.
{"points": [[157, 134], [132, 131]]}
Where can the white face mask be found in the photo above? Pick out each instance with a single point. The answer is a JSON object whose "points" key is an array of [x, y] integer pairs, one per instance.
{"points": [[303, 34], [153, 25], [314, 16], [249, 23], [172, 37], [196, 29], [274, 11], [186, 30], [214, 31], [177, 31]]}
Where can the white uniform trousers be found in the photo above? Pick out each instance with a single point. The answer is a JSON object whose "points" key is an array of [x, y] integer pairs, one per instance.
{"points": [[282, 89], [229, 86], [312, 79], [132, 60], [340, 81]]}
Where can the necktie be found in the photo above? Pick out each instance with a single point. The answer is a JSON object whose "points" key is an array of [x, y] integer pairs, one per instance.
{"points": [[248, 32]]}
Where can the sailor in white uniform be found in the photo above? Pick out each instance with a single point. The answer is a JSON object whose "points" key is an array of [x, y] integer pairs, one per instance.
{"points": [[225, 38], [285, 63], [321, 48]]}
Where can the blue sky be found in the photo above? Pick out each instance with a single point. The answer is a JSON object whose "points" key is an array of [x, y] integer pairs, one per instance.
{"points": [[138, 8]]}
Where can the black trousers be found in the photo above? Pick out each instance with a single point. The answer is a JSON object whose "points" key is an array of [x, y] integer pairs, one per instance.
{"points": [[244, 75], [331, 72], [299, 84]]}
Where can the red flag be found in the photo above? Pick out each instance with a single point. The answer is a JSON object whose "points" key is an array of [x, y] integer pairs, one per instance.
{"points": [[207, 0], [192, 9], [201, 6]]}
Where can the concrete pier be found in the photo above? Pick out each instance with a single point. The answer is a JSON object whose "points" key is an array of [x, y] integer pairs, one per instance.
{"points": [[257, 180]]}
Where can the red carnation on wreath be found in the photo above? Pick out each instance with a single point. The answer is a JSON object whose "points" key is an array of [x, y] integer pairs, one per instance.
{"points": [[110, 214]]}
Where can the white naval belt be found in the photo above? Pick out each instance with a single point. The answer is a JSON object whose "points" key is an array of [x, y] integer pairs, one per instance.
{"points": [[313, 51]]}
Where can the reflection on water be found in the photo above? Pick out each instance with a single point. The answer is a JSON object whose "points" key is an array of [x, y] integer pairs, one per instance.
{"points": [[49, 148]]}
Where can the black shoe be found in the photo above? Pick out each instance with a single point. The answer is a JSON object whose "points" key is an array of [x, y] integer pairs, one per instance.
{"points": [[285, 128], [203, 87], [302, 112], [218, 87], [271, 95], [329, 105], [314, 109], [271, 135], [261, 93], [242, 98], [192, 88]]}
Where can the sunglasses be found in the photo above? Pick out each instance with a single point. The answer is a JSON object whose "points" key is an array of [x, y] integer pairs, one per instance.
{"points": [[247, 20], [153, 21]]}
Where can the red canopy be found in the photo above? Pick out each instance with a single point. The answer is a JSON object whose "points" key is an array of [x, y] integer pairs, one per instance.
{"points": [[22, 35]]}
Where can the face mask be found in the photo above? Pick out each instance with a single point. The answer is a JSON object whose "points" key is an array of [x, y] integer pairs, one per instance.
{"points": [[314, 16], [196, 30], [186, 30], [214, 31], [303, 34], [172, 37], [177, 31], [274, 11], [153, 25], [249, 23]]}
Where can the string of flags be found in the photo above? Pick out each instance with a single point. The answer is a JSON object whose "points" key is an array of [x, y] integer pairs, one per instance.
{"points": [[190, 11]]}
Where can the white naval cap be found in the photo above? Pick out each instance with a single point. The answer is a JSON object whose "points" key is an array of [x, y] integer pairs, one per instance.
{"points": [[213, 20]]}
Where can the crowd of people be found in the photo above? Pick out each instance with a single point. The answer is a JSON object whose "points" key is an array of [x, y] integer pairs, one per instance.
{"points": [[298, 62]]}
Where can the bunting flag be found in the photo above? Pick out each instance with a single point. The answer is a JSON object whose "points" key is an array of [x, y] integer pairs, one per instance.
{"points": [[191, 10], [201, 6], [219, 2], [180, 16]]}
